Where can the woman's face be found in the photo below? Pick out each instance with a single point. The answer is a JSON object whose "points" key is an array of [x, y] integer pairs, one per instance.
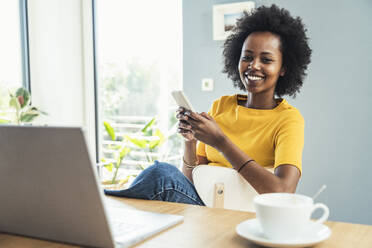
{"points": [[260, 62]]}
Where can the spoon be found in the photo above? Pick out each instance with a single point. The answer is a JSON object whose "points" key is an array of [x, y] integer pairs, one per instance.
{"points": [[319, 191]]}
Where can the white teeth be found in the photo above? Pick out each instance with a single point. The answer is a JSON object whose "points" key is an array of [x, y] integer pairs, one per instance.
{"points": [[254, 78]]}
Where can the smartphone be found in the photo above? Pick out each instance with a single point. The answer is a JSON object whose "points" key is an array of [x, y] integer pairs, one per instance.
{"points": [[181, 100]]}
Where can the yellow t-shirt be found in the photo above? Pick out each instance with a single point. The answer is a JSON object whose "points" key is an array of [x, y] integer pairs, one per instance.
{"points": [[270, 136]]}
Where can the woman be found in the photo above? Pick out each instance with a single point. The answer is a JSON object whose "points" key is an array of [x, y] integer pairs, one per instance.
{"points": [[266, 55]]}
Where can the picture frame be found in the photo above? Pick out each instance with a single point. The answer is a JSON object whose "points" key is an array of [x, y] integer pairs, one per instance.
{"points": [[225, 16]]}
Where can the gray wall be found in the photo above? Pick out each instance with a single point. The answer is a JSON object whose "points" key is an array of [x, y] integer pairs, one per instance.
{"points": [[335, 100]]}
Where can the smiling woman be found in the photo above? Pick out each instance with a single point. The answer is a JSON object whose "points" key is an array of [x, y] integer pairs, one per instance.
{"points": [[250, 132]]}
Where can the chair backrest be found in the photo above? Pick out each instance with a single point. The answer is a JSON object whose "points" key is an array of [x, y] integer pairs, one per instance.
{"points": [[223, 187]]}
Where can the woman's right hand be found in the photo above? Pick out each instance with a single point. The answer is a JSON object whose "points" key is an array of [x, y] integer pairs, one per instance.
{"points": [[184, 128]]}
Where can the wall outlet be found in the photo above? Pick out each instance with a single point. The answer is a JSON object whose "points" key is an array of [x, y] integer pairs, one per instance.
{"points": [[207, 84]]}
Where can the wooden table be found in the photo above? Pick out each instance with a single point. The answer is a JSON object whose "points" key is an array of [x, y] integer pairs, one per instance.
{"points": [[204, 227]]}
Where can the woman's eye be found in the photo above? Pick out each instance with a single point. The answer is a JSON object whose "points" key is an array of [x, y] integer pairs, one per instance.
{"points": [[266, 60], [247, 58]]}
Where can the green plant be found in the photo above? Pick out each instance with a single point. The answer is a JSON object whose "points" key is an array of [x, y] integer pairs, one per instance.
{"points": [[24, 112], [150, 140], [121, 151], [134, 80]]}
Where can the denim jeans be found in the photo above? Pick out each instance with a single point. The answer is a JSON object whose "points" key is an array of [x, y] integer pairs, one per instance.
{"points": [[163, 182]]}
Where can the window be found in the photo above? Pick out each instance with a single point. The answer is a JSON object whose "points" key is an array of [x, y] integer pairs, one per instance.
{"points": [[139, 61], [13, 49]]}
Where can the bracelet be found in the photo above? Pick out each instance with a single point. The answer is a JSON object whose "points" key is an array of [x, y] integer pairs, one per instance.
{"points": [[189, 166], [241, 167]]}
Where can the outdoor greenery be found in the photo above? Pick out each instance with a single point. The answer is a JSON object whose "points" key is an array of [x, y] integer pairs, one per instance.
{"points": [[121, 151], [149, 140], [130, 94], [126, 89]]}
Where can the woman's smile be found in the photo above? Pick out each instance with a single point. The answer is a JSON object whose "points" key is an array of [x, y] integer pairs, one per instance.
{"points": [[253, 79]]}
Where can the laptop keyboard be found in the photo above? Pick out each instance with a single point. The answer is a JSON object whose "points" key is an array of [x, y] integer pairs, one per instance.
{"points": [[121, 228], [129, 226], [125, 222]]}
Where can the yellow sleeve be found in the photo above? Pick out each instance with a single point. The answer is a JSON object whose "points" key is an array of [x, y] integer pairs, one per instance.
{"points": [[200, 150], [289, 143]]}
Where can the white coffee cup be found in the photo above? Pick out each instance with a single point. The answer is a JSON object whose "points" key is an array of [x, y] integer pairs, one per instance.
{"points": [[285, 216]]}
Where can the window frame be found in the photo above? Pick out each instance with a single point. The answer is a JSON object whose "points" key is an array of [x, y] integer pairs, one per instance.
{"points": [[25, 52], [95, 82]]}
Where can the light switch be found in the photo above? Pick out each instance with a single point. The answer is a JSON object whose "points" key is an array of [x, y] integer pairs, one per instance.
{"points": [[207, 84]]}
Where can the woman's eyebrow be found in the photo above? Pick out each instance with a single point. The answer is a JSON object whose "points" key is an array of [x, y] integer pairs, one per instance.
{"points": [[267, 53], [264, 53]]}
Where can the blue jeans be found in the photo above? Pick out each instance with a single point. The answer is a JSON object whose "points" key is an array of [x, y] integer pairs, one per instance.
{"points": [[162, 182]]}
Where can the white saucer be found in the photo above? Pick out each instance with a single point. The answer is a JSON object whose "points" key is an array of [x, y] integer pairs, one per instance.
{"points": [[251, 230]]}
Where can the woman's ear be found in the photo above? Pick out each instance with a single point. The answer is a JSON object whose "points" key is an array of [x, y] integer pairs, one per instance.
{"points": [[282, 71]]}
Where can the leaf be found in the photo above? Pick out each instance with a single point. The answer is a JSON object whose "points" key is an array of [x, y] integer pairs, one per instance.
{"points": [[109, 130], [148, 125], [15, 103], [113, 147], [148, 133], [28, 117], [109, 167], [124, 152], [160, 135], [32, 110], [149, 158], [124, 181], [24, 94], [154, 143], [38, 110], [142, 167], [21, 100], [4, 121], [118, 162], [137, 142]]}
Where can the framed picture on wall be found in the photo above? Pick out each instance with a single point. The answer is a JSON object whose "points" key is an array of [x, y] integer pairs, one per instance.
{"points": [[225, 16]]}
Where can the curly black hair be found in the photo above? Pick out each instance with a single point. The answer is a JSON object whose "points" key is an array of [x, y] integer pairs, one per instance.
{"points": [[294, 46]]}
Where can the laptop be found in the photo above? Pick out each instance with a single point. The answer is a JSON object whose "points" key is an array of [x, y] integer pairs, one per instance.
{"points": [[49, 190]]}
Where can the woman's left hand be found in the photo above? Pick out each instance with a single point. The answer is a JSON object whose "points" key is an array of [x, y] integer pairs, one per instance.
{"points": [[205, 129]]}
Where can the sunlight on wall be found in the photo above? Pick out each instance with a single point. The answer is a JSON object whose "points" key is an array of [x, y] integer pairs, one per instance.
{"points": [[10, 45]]}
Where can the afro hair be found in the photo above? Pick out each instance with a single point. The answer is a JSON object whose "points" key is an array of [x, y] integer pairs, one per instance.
{"points": [[295, 50]]}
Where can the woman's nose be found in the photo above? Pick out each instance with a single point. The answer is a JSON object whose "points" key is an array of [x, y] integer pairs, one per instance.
{"points": [[254, 64]]}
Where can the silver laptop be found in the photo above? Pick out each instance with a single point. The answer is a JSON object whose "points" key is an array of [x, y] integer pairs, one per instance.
{"points": [[49, 190]]}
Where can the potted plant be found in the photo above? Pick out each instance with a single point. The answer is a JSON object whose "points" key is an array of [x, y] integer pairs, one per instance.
{"points": [[19, 110]]}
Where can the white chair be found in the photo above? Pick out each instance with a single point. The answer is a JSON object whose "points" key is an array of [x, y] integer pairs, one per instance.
{"points": [[222, 187]]}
